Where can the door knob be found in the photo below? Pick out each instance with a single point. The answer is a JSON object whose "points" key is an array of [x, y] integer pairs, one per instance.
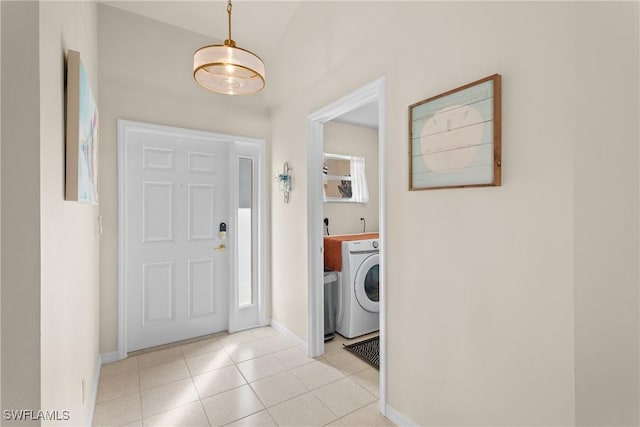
{"points": [[221, 247]]}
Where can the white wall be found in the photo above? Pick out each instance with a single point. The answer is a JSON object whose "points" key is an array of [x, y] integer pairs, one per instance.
{"points": [[349, 140], [69, 236], [146, 75], [20, 207], [486, 286]]}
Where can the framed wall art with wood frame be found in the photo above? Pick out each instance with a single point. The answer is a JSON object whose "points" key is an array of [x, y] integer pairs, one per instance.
{"points": [[455, 138], [81, 135]]}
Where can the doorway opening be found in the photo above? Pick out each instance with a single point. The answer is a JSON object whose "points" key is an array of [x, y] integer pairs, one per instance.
{"points": [[371, 94]]}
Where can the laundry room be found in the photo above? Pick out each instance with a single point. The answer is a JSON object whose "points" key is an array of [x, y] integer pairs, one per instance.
{"points": [[344, 140], [351, 228]]}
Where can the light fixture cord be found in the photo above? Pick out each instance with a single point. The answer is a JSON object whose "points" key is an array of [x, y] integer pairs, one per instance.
{"points": [[229, 7]]}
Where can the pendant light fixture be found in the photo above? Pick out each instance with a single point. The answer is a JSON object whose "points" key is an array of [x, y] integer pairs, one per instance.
{"points": [[227, 68]]}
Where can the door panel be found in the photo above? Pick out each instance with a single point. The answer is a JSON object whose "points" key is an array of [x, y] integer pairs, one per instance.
{"points": [[202, 296], [158, 291], [202, 207], [157, 211], [201, 162], [176, 192], [157, 158]]}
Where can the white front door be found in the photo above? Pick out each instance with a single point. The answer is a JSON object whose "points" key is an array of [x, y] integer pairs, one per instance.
{"points": [[176, 261]]}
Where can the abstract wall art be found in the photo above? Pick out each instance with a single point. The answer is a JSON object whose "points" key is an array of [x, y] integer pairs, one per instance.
{"points": [[81, 135]]}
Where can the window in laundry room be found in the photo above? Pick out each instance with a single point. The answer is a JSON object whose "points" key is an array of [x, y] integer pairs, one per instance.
{"points": [[344, 179]]}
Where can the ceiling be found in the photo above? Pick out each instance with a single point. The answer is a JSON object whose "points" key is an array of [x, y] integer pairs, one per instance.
{"points": [[365, 116], [256, 25]]}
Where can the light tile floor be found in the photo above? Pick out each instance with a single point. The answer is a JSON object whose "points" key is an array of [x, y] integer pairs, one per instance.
{"points": [[251, 378]]}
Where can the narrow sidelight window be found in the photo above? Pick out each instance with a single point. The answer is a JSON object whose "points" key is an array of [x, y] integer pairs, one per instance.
{"points": [[245, 233]]}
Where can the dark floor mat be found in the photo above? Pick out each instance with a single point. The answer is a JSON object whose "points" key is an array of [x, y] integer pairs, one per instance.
{"points": [[368, 350]]}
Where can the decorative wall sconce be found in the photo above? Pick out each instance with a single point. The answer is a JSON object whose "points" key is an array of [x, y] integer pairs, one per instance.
{"points": [[284, 180]]}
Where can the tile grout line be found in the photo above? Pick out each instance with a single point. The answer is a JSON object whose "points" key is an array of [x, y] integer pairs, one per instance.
{"points": [[375, 399], [235, 365], [349, 376], [248, 383], [327, 407], [206, 416], [308, 391], [139, 388], [200, 398], [352, 412], [190, 377], [266, 408], [254, 393], [355, 410], [162, 385]]}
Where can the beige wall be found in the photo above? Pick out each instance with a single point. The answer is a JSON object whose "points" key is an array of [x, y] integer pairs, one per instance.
{"points": [[349, 140], [521, 302], [69, 235], [50, 332], [605, 200], [1, 210], [146, 75], [491, 288], [20, 207]]}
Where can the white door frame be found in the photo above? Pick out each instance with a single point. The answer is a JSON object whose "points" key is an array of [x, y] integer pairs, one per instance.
{"points": [[374, 91], [239, 146]]}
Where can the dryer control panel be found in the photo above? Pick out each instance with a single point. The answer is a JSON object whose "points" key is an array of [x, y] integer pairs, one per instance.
{"points": [[356, 246]]}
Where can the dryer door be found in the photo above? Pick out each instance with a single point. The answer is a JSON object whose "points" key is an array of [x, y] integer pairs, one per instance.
{"points": [[366, 284]]}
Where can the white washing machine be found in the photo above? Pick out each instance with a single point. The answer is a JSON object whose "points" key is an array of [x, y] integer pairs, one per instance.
{"points": [[358, 300]]}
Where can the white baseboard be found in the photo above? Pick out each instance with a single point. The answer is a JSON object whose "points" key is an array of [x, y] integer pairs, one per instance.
{"points": [[93, 393], [398, 419], [114, 356], [290, 335]]}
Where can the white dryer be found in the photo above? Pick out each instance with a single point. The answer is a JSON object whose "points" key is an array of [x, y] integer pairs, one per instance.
{"points": [[358, 300]]}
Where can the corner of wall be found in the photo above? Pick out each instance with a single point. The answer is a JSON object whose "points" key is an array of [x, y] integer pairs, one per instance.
{"points": [[69, 230], [20, 216], [93, 395], [0, 206], [606, 211], [290, 335], [399, 419]]}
